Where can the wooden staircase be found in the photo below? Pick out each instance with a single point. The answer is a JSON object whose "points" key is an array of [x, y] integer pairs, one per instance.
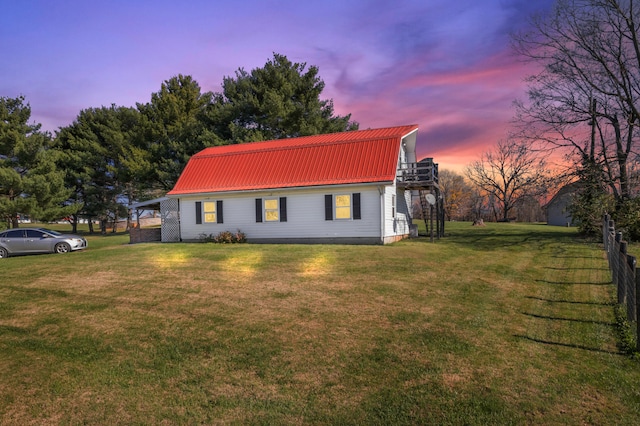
{"points": [[425, 209]]}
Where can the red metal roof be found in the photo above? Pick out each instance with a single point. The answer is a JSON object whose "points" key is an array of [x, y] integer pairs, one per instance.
{"points": [[362, 156]]}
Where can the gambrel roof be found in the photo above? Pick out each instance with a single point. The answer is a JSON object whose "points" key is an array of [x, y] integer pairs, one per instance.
{"points": [[363, 156]]}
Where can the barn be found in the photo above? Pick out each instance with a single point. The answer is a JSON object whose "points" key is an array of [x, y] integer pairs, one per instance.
{"points": [[351, 187], [557, 208]]}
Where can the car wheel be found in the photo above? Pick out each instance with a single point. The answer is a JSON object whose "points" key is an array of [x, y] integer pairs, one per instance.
{"points": [[62, 248], [3, 253]]}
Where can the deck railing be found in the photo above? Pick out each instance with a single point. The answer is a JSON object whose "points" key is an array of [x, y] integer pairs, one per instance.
{"points": [[422, 173]]}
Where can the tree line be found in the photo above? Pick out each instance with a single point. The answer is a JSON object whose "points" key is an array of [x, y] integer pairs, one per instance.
{"points": [[584, 101], [112, 156], [583, 104]]}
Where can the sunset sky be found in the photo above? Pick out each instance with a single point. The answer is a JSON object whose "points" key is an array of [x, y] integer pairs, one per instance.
{"points": [[444, 65]]}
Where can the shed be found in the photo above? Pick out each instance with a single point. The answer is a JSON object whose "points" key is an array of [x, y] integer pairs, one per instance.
{"points": [[556, 208]]}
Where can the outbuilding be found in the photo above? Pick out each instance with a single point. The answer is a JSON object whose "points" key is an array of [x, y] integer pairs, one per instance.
{"points": [[351, 187], [557, 209]]}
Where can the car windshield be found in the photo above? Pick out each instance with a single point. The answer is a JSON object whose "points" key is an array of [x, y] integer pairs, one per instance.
{"points": [[56, 233]]}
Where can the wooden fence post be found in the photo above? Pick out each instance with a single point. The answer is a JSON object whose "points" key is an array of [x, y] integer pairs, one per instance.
{"points": [[637, 280], [621, 265], [632, 291], [624, 273], [614, 262]]}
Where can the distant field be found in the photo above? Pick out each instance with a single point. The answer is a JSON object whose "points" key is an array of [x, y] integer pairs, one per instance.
{"points": [[507, 324]]}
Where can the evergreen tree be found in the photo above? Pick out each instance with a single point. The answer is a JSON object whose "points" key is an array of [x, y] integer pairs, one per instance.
{"points": [[280, 100], [591, 201], [175, 127], [104, 162], [30, 183]]}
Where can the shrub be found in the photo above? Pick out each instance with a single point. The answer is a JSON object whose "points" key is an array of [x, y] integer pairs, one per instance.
{"points": [[587, 209], [628, 219], [626, 336], [224, 237], [240, 237]]}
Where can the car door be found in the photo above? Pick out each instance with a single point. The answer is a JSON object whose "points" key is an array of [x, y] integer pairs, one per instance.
{"points": [[37, 241], [14, 241]]}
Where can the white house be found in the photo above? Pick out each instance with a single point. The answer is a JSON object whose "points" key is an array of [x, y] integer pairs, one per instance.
{"points": [[334, 188]]}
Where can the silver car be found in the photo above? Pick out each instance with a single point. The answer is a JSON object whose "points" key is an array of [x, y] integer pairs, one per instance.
{"points": [[38, 240]]}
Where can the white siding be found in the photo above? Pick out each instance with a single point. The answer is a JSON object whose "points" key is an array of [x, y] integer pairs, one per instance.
{"points": [[398, 225], [403, 215], [305, 215]]}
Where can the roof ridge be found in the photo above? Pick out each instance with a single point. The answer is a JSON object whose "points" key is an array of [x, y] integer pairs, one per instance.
{"points": [[348, 132], [289, 147]]}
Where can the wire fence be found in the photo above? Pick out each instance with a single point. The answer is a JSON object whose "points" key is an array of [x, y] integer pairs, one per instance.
{"points": [[623, 272]]}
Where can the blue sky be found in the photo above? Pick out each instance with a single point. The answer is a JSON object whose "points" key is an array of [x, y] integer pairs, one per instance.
{"points": [[446, 66]]}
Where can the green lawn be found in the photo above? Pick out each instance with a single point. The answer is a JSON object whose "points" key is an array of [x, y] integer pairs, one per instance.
{"points": [[507, 324]]}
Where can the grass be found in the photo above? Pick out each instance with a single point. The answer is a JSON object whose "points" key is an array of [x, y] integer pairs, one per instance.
{"points": [[506, 324]]}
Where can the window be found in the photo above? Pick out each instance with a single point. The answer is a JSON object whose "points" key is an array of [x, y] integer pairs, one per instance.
{"points": [[16, 233], [342, 206], [212, 211], [32, 233], [209, 212], [271, 209]]}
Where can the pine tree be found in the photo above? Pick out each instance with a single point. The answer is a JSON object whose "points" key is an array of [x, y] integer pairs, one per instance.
{"points": [[104, 162], [30, 182], [280, 100], [175, 127]]}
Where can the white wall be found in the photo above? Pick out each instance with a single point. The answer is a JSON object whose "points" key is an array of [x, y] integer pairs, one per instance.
{"points": [[400, 224], [404, 211], [305, 215]]}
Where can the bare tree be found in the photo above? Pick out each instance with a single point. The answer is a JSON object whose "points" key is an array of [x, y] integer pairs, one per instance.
{"points": [[529, 209], [479, 206], [456, 193], [508, 173], [586, 96]]}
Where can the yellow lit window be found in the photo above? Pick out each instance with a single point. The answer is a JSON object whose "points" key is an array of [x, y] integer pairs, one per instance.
{"points": [[209, 208], [343, 206], [271, 210]]}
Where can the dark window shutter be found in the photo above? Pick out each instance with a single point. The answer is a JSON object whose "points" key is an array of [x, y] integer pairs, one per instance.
{"points": [[283, 209], [356, 206], [258, 209], [219, 218], [328, 207], [198, 212]]}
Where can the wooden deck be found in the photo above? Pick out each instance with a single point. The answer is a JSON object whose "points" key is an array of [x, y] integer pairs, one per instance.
{"points": [[422, 175]]}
